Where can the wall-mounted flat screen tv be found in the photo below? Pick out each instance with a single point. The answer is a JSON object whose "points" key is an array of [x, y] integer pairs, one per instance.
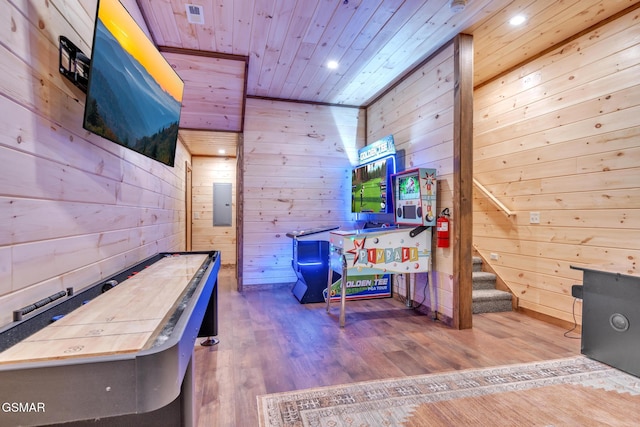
{"points": [[134, 96], [371, 186]]}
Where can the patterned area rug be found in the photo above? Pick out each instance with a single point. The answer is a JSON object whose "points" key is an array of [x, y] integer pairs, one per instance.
{"points": [[461, 397]]}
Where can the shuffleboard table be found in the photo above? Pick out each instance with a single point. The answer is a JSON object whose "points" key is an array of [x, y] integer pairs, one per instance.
{"points": [[119, 352]]}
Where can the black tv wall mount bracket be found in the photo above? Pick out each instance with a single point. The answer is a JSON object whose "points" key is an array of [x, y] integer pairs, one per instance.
{"points": [[74, 64]]}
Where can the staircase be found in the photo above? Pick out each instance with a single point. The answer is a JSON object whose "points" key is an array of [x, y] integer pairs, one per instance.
{"points": [[486, 298]]}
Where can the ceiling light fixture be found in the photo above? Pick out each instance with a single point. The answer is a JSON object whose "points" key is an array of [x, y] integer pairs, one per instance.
{"points": [[458, 5], [332, 65], [517, 20]]}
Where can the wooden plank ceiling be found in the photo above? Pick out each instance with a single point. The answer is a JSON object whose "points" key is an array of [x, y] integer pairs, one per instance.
{"points": [[280, 48]]}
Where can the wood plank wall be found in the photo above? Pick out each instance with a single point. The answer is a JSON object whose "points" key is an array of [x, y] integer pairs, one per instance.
{"points": [[419, 112], [560, 136], [74, 207], [297, 175], [206, 172]]}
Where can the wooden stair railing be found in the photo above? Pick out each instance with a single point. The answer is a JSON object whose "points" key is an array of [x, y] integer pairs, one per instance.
{"points": [[493, 198]]}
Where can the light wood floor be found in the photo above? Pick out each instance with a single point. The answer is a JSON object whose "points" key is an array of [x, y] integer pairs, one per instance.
{"points": [[271, 343]]}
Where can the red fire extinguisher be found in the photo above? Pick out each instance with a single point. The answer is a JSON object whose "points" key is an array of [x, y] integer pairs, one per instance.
{"points": [[442, 229]]}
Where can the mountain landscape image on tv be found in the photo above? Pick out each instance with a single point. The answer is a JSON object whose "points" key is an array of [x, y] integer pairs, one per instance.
{"points": [[134, 96]]}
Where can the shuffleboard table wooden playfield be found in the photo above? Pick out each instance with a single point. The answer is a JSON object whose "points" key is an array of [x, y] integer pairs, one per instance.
{"points": [[119, 352]]}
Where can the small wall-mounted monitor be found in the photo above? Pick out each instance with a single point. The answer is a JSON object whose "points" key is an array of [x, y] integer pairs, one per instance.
{"points": [[371, 185], [414, 197]]}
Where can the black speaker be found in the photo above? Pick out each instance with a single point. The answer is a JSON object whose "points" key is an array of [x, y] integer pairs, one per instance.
{"points": [[611, 319]]}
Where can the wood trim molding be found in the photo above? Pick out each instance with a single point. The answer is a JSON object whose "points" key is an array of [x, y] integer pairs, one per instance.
{"points": [[188, 173], [203, 53], [298, 101], [240, 211]]}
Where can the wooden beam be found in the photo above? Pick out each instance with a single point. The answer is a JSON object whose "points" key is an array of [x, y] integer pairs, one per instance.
{"points": [[462, 237]]}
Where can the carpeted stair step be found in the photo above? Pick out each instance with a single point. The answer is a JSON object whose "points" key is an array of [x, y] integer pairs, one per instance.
{"points": [[491, 301], [486, 298], [483, 280], [477, 263]]}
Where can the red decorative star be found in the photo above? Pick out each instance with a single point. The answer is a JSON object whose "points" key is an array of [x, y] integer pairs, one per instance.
{"points": [[357, 245]]}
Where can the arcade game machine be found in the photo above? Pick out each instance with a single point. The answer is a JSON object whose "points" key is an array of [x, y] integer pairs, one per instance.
{"points": [[415, 197], [310, 261], [371, 179], [402, 249], [372, 203]]}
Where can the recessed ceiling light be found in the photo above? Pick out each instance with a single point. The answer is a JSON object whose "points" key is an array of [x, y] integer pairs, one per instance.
{"points": [[332, 65], [221, 151], [517, 20]]}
